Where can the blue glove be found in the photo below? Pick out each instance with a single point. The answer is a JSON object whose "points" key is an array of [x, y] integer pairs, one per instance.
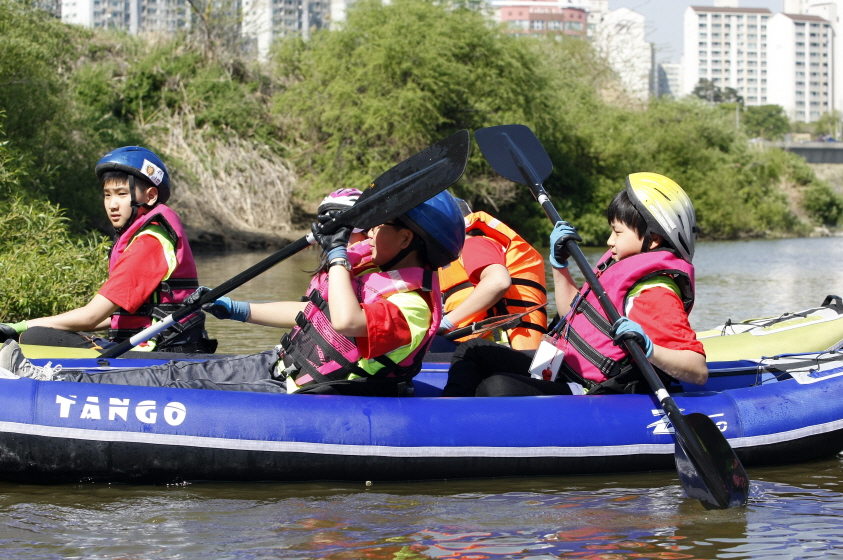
{"points": [[227, 308], [444, 325], [223, 308], [626, 329], [562, 232]]}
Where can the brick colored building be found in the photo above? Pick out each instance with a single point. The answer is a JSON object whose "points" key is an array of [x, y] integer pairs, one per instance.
{"points": [[538, 17]]}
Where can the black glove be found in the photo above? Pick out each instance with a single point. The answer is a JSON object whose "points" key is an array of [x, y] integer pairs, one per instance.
{"points": [[7, 332], [197, 295], [334, 243]]}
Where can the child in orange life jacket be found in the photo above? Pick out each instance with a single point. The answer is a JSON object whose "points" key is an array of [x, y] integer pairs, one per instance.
{"points": [[648, 275], [151, 267], [362, 330], [498, 273]]}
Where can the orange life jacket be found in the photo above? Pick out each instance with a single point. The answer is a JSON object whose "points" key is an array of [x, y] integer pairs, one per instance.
{"points": [[526, 268]]}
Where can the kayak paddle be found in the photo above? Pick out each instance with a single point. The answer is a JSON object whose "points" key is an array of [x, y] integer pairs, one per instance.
{"points": [[502, 322], [707, 465], [398, 190]]}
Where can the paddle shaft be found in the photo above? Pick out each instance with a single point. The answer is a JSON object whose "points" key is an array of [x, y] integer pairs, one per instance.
{"points": [[221, 290], [475, 328]]}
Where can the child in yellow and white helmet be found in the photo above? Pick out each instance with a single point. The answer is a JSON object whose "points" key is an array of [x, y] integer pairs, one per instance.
{"points": [[648, 275]]}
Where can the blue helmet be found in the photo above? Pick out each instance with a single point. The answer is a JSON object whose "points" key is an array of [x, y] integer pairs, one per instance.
{"points": [[140, 163], [439, 223]]}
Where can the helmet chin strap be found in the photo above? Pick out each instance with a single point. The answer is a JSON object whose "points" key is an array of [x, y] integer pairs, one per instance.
{"points": [[398, 258]]}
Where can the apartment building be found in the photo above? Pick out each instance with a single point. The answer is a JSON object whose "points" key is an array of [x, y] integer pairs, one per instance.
{"points": [[802, 80], [669, 79], [828, 10], [539, 17], [167, 16], [620, 36], [264, 21], [728, 46]]}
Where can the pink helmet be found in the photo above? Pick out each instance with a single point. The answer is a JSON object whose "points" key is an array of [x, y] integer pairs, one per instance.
{"points": [[341, 199]]}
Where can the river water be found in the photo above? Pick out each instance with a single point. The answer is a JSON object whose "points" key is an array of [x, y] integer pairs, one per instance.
{"points": [[794, 511]]}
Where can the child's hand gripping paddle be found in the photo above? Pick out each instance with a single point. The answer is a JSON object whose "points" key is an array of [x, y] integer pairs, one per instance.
{"points": [[708, 467], [397, 191]]}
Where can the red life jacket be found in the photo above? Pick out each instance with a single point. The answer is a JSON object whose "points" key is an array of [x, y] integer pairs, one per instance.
{"points": [[319, 354], [167, 298], [590, 354]]}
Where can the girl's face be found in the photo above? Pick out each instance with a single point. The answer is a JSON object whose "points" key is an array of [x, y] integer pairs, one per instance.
{"points": [[388, 240], [118, 201], [624, 241]]}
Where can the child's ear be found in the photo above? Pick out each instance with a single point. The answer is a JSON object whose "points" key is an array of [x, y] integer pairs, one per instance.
{"points": [[152, 195], [408, 237], [656, 240]]}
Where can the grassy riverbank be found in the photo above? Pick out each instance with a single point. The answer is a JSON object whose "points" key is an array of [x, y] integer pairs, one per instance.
{"points": [[251, 146]]}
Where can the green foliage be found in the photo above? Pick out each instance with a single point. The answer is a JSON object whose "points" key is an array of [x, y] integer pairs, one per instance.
{"points": [[823, 204], [765, 121], [361, 100], [709, 91], [828, 124], [46, 270]]}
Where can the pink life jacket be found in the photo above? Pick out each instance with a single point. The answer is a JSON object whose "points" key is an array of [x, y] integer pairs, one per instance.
{"points": [[590, 356], [167, 298], [319, 354]]}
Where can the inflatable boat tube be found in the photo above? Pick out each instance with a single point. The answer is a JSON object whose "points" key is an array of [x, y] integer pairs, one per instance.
{"points": [[771, 411]]}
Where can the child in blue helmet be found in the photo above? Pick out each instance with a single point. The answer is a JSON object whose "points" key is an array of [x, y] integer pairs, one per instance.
{"points": [[151, 267], [363, 329]]}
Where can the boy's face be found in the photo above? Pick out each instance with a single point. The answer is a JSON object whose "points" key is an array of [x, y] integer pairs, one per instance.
{"points": [[118, 201], [624, 241]]}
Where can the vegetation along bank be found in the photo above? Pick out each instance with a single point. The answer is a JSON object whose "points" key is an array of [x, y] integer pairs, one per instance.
{"points": [[252, 145]]}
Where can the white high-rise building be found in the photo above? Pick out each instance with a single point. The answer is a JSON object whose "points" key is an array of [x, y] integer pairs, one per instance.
{"points": [[135, 16], [620, 35], [802, 80], [728, 46], [828, 10], [264, 21], [669, 79]]}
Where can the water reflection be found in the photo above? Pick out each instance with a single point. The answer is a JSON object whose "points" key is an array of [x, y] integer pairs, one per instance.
{"points": [[794, 512]]}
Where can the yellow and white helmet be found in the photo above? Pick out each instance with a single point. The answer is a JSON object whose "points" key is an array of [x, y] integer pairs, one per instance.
{"points": [[666, 208]]}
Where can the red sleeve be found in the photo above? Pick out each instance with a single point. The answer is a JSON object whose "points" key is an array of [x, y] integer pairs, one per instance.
{"points": [[660, 313], [137, 273], [387, 329], [478, 253]]}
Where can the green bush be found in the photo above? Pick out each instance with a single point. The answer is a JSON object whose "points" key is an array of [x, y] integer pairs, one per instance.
{"points": [[46, 269], [823, 204]]}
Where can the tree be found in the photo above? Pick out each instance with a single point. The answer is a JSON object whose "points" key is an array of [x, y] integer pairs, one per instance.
{"points": [[766, 121], [708, 90], [828, 124]]}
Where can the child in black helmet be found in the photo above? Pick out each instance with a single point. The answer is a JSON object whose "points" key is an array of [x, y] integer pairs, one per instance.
{"points": [[151, 267]]}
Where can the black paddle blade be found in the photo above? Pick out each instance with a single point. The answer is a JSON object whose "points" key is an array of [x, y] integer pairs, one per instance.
{"points": [[408, 184], [716, 478], [501, 146]]}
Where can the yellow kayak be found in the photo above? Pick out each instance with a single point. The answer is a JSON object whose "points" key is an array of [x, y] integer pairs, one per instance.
{"points": [[812, 330]]}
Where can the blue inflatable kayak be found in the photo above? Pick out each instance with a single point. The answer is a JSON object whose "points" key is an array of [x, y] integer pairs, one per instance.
{"points": [[772, 411]]}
